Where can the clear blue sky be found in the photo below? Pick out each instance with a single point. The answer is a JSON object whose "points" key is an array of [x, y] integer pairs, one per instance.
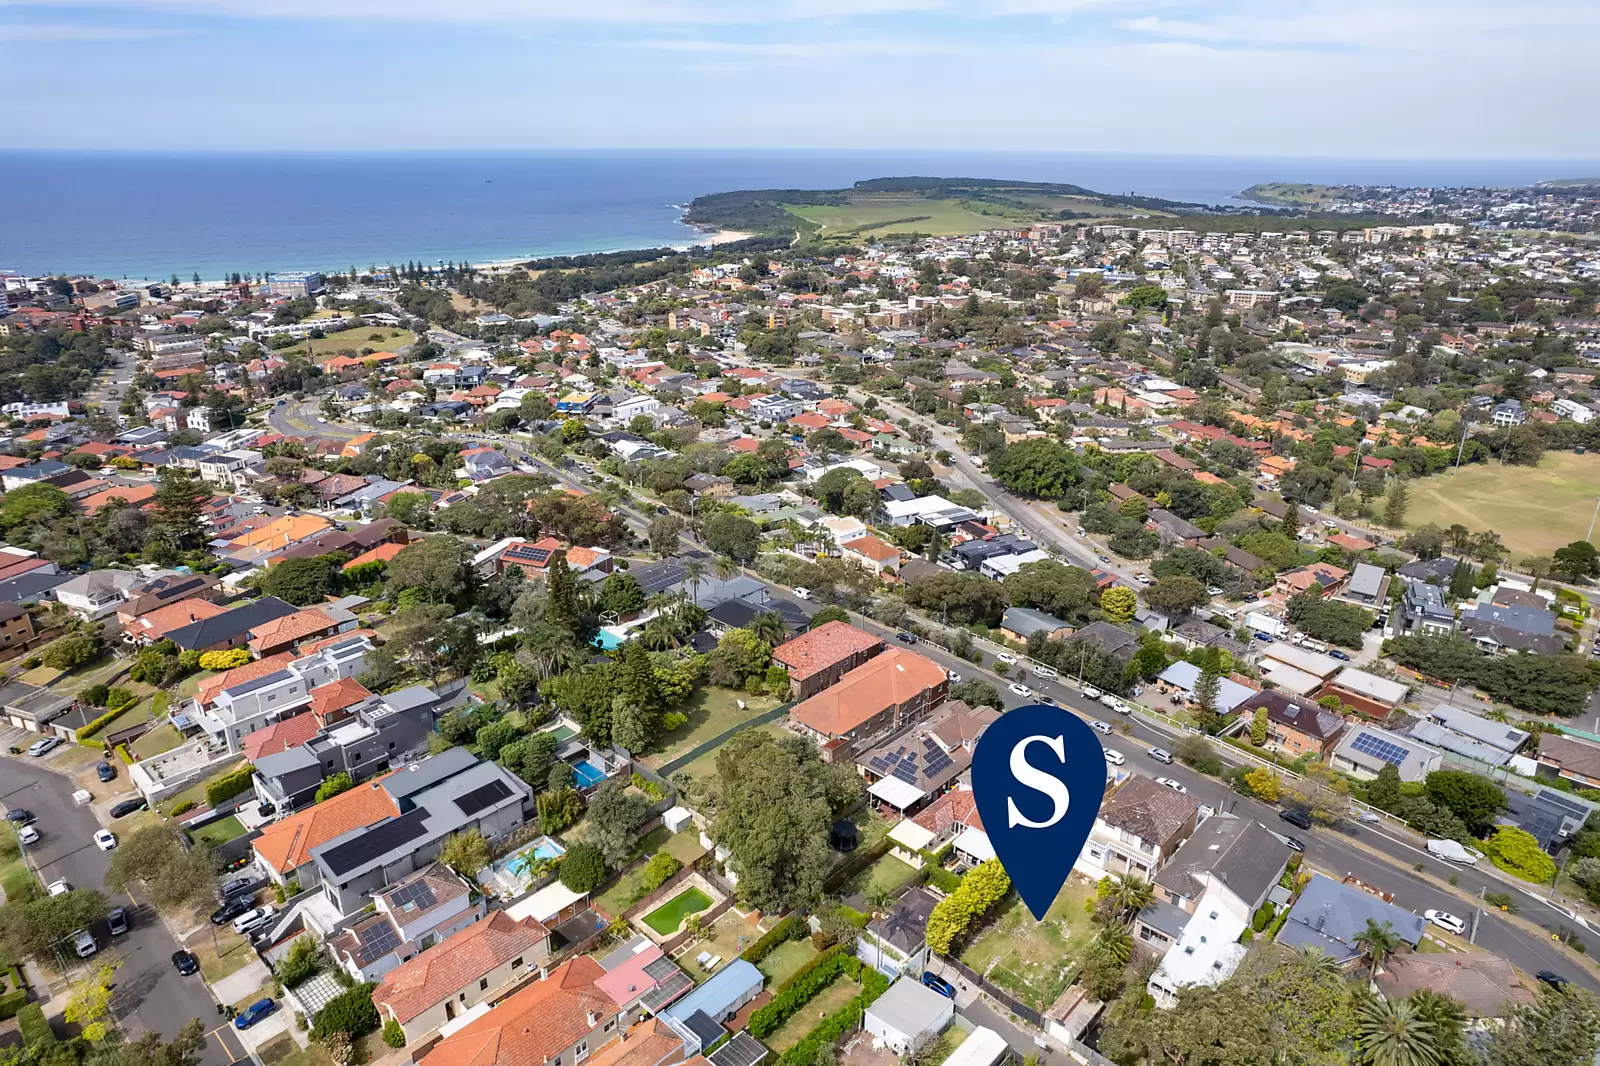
{"points": [[1370, 78]]}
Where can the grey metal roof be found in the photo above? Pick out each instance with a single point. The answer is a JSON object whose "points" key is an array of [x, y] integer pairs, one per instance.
{"points": [[286, 761], [1239, 852], [1027, 621], [425, 773], [244, 688], [230, 624], [1167, 917], [407, 698], [910, 1007], [1366, 581], [1329, 915]]}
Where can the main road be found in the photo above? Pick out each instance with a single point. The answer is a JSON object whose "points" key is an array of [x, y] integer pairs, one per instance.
{"points": [[147, 993]]}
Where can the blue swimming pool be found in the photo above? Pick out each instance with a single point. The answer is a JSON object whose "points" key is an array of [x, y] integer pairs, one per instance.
{"points": [[548, 849], [586, 774], [607, 640]]}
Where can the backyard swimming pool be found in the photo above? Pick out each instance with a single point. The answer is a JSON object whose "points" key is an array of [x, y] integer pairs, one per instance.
{"points": [[667, 918], [586, 774], [608, 640]]}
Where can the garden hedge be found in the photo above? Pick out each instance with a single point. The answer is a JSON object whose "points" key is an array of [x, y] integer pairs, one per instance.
{"points": [[800, 989], [351, 1011], [12, 1002], [980, 890], [790, 928], [230, 784], [95, 725], [33, 1025], [873, 985]]}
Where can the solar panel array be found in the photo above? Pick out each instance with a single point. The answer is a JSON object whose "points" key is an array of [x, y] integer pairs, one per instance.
{"points": [[376, 842], [378, 940], [671, 985], [742, 1050], [660, 577], [418, 892], [906, 761], [1378, 748], [483, 796]]}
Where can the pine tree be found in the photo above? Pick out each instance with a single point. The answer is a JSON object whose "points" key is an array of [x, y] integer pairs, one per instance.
{"points": [[1461, 582], [563, 609], [1291, 520], [177, 506], [1394, 511]]}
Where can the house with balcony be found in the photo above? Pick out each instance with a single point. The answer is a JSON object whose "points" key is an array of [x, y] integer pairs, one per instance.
{"points": [[1205, 897], [99, 592], [1140, 825], [383, 732], [374, 835], [476, 965], [410, 916], [951, 819], [259, 694], [554, 1019], [1424, 612]]}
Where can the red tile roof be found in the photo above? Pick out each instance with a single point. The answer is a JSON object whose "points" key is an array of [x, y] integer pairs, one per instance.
{"points": [[336, 696], [212, 686], [290, 628], [286, 845], [889, 680], [823, 647], [440, 972], [531, 1025], [280, 736]]}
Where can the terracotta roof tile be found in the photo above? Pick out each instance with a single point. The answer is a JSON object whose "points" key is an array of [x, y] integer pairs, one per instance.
{"points": [[1150, 811], [290, 628], [382, 553], [336, 696], [280, 736], [207, 693], [534, 1023], [440, 972], [163, 620], [889, 680], [286, 845], [823, 647]]}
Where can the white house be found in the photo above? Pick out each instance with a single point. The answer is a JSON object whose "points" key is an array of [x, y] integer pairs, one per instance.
{"points": [[908, 1015], [634, 406]]}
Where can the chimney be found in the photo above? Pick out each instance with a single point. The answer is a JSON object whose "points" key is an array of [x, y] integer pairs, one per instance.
{"points": [[592, 1017]]}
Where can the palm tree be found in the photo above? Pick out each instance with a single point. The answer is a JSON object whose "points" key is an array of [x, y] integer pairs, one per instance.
{"points": [[1115, 942], [1377, 943], [725, 567], [1129, 896], [880, 898], [1323, 964], [693, 571], [768, 627], [1392, 1033], [658, 634]]}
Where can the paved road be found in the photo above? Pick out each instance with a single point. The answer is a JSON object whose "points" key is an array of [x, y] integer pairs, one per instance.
{"points": [[1332, 851], [304, 419], [148, 994]]}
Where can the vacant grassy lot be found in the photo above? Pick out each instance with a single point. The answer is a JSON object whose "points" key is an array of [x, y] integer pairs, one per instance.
{"points": [[706, 765], [196, 793], [888, 874], [1034, 961], [378, 338], [1534, 509], [711, 711]]}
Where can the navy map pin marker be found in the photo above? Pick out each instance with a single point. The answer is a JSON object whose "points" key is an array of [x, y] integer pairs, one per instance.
{"points": [[1038, 775]]}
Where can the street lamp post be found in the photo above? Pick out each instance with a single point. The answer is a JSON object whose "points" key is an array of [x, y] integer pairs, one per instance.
{"points": [[1590, 535]]}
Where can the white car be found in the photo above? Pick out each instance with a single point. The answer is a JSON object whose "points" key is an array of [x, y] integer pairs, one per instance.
{"points": [[1446, 921], [803, 593], [955, 678], [1213, 590], [1143, 578], [1046, 673], [105, 839], [253, 919], [60, 888], [1019, 689], [1007, 658], [1103, 728], [84, 944], [1176, 786], [1092, 692], [28, 835], [1114, 757]]}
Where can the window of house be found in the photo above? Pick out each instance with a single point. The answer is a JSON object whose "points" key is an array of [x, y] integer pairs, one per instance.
{"points": [[391, 745], [580, 1052], [610, 1022], [483, 984], [356, 757], [516, 964]]}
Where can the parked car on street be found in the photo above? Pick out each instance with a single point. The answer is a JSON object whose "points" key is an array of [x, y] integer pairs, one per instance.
{"points": [[105, 839], [1103, 728], [1295, 817], [185, 963], [1176, 786], [84, 944], [28, 835], [43, 746], [231, 909], [1091, 692], [1160, 755], [19, 815], [117, 921], [1115, 757], [1007, 658], [60, 888], [1447, 921]]}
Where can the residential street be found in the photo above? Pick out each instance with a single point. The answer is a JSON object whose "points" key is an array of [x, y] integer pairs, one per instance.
{"points": [[149, 993]]}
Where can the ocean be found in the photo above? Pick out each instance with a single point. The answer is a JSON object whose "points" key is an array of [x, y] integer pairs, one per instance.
{"points": [[151, 215]]}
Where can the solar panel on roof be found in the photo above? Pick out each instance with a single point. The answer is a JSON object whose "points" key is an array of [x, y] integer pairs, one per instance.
{"points": [[378, 941], [419, 893], [1378, 748], [483, 796], [742, 1050], [671, 988], [376, 842]]}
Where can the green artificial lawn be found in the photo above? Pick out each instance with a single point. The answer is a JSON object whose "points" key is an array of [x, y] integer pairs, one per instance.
{"points": [[220, 832]]}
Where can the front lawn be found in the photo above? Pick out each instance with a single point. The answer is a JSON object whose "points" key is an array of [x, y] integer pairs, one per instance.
{"points": [[223, 953], [196, 793], [785, 959], [1034, 961], [705, 767], [220, 831], [711, 712], [17, 880]]}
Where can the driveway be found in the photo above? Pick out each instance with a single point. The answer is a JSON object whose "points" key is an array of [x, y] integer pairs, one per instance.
{"points": [[149, 993]]}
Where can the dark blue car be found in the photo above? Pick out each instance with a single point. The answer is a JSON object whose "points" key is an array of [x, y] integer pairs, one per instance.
{"points": [[254, 1013], [939, 984]]}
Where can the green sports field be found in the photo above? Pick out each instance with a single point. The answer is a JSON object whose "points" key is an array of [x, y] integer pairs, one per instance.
{"points": [[1534, 509]]}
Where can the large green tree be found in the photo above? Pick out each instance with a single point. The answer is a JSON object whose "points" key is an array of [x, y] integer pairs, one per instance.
{"points": [[438, 567], [1039, 467], [1558, 1029], [777, 800]]}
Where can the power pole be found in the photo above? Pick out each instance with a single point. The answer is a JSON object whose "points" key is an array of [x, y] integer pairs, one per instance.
{"points": [[1477, 915]]}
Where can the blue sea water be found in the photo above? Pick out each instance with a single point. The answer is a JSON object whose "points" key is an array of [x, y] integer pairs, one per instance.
{"points": [[143, 215]]}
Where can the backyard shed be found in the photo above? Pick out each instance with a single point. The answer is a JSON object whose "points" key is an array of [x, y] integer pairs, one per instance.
{"points": [[908, 1015]]}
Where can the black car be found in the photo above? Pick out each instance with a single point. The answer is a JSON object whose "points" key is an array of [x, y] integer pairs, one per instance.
{"points": [[241, 886], [1553, 979], [106, 771], [905, 637], [1295, 817], [185, 962], [19, 815], [232, 909], [117, 921], [127, 807]]}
